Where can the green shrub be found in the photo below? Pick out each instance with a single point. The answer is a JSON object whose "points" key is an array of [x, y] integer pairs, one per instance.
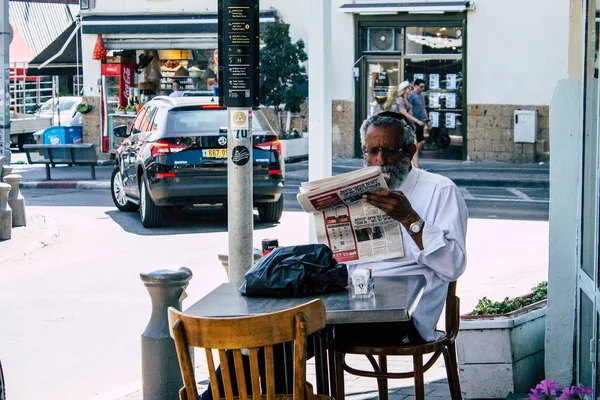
{"points": [[486, 306]]}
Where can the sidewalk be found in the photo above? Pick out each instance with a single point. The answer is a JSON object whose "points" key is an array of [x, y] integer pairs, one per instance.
{"points": [[40, 232], [463, 173]]}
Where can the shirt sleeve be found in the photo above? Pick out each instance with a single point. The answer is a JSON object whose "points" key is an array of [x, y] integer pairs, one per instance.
{"points": [[444, 235], [401, 104]]}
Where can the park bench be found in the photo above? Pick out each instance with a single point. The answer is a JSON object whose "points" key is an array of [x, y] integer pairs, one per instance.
{"points": [[70, 154]]}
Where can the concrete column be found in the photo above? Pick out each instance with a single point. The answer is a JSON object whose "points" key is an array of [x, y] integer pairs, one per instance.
{"points": [[161, 376], [566, 121], [5, 213], [319, 94], [3, 161], [16, 200], [4, 171]]}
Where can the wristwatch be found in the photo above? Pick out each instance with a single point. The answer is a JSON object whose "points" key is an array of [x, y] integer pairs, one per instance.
{"points": [[415, 227]]}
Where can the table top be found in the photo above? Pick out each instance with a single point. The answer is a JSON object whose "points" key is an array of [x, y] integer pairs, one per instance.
{"points": [[395, 300]]}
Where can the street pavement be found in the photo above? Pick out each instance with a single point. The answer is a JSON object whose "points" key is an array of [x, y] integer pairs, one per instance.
{"points": [[78, 261]]}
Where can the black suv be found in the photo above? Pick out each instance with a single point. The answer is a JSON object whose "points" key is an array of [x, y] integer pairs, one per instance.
{"points": [[175, 155]]}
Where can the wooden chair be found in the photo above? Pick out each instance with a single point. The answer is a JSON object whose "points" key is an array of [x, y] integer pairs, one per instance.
{"points": [[252, 333], [445, 345]]}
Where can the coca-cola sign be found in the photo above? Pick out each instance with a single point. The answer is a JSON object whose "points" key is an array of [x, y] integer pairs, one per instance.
{"points": [[126, 82]]}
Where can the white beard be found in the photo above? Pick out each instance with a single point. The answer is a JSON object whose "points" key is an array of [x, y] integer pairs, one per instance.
{"points": [[397, 173]]}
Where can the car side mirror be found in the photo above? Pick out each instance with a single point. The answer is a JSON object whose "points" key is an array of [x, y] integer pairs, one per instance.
{"points": [[120, 131]]}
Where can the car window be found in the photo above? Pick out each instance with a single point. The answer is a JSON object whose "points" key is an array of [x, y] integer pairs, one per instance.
{"points": [[77, 120], [160, 118], [200, 121], [137, 124], [147, 123]]}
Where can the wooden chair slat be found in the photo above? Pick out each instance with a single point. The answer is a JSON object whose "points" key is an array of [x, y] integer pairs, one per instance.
{"points": [[240, 374], [300, 357], [185, 360], [226, 375], [270, 372], [212, 373], [254, 374]]}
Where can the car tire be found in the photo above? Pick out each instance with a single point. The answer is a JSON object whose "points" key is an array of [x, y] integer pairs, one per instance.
{"points": [[271, 212], [150, 214], [117, 192], [2, 388]]}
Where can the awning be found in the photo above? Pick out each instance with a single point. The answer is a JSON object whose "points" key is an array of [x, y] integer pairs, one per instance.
{"points": [[158, 24], [61, 57], [413, 7]]}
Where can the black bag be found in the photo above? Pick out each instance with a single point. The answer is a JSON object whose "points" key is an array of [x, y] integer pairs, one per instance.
{"points": [[296, 271]]}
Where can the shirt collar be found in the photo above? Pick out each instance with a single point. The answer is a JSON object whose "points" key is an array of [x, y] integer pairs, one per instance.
{"points": [[410, 181]]}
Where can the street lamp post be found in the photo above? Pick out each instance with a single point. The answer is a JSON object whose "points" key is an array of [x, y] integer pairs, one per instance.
{"points": [[5, 38]]}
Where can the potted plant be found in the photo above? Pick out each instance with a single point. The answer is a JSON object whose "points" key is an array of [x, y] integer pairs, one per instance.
{"points": [[131, 110], [549, 390], [501, 345], [293, 146]]}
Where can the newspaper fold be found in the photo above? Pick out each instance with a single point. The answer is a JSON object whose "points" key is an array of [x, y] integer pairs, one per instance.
{"points": [[355, 231]]}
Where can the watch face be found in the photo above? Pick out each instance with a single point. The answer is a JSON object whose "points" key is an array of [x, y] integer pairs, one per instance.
{"points": [[415, 228]]}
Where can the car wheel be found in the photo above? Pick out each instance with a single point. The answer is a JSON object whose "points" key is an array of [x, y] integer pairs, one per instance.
{"points": [[2, 388], [117, 191], [150, 214], [271, 212]]}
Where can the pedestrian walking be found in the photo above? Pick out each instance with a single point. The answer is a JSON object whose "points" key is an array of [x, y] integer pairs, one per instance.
{"points": [[419, 111], [405, 108]]}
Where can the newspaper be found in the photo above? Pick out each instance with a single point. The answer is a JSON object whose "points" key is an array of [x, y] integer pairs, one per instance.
{"points": [[355, 231]]}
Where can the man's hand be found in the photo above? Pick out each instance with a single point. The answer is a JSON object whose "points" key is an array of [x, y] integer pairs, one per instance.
{"points": [[419, 122], [394, 204], [397, 206]]}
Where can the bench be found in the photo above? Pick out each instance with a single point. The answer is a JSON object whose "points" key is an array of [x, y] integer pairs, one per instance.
{"points": [[71, 154]]}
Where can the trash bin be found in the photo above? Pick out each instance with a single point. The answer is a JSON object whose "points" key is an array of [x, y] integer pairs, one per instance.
{"points": [[60, 135]]}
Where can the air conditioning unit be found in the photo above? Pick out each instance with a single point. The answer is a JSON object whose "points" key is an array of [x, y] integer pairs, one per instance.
{"points": [[381, 39]]}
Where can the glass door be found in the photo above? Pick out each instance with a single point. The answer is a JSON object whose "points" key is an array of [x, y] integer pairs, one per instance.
{"points": [[588, 271], [383, 75]]}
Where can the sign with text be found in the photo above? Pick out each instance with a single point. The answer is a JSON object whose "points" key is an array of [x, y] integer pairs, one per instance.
{"points": [[238, 54]]}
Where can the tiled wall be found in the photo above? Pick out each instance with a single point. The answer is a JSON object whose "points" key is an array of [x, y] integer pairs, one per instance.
{"points": [[490, 136], [91, 126], [343, 128]]}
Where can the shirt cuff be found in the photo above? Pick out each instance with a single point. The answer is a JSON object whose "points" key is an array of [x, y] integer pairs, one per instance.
{"points": [[433, 240]]}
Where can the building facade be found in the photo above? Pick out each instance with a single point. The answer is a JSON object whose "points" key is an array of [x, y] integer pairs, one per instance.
{"points": [[481, 61]]}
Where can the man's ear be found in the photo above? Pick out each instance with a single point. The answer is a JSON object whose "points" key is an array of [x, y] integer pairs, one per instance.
{"points": [[412, 149]]}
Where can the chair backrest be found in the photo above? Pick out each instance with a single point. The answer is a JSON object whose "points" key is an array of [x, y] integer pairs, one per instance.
{"points": [[452, 312], [252, 333]]}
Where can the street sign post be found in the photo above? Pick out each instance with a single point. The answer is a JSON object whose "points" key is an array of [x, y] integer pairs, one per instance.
{"points": [[5, 37], [238, 62]]}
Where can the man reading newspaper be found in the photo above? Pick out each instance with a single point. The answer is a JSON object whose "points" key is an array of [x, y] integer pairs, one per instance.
{"points": [[432, 216], [429, 218]]}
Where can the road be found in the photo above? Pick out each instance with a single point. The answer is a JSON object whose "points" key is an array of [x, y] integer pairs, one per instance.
{"points": [[77, 307]]}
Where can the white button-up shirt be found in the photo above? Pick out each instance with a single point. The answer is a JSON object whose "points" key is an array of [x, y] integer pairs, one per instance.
{"points": [[443, 258]]}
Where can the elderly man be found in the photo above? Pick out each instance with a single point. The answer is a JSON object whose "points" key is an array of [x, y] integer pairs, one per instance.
{"points": [[433, 216]]}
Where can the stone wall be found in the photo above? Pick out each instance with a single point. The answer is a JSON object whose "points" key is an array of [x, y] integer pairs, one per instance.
{"points": [[490, 137], [343, 128]]}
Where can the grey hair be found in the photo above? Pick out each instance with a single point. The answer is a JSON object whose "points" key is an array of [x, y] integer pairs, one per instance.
{"points": [[405, 131]]}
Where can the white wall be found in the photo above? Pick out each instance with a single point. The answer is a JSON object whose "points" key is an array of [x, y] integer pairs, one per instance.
{"points": [[517, 50], [92, 68], [153, 6]]}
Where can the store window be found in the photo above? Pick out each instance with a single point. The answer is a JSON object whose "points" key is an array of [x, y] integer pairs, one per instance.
{"points": [[429, 53]]}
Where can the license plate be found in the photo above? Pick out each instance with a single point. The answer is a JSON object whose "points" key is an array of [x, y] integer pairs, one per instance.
{"points": [[214, 153]]}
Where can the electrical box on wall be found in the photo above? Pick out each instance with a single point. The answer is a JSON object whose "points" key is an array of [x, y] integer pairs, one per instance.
{"points": [[526, 126]]}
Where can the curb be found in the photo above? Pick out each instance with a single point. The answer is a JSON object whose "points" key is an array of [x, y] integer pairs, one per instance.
{"points": [[81, 185], [32, 239]]}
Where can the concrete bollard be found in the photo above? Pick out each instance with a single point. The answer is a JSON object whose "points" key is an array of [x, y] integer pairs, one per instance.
{"points": [[3, 161], [16, 200], [5, 212], [161, 376], [4, 171]]}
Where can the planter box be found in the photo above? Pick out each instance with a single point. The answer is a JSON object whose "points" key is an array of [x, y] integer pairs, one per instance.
{"points": [[503, 354], [294, 149]]}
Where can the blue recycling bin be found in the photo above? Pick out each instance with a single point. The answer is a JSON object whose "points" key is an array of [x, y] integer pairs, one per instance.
{"points": [[61, 135]]}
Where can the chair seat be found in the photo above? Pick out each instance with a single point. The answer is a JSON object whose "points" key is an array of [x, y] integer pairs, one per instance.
{"points": [[291, 397], [395, 350]]}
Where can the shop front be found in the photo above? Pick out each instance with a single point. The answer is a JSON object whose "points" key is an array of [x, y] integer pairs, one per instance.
{"points": [[406, 47], [143, 56]]}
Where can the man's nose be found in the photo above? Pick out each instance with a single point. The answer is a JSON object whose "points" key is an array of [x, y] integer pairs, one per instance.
{"points": [[378, 158]]}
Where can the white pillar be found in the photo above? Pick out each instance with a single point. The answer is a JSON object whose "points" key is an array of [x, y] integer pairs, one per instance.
{"points": [[319, 94], [4, 82]]}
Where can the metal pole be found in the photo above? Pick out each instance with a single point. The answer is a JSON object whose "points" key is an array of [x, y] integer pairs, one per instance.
{"points": [[319, 92], [4, 82], [239, 193]]}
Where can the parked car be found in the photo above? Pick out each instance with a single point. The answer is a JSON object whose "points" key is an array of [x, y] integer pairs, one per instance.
{"points": [[175, 155], [66, 106]]}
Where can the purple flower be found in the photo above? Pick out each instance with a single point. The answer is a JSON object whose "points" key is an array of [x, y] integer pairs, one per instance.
{"points": [[548, 387]]}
